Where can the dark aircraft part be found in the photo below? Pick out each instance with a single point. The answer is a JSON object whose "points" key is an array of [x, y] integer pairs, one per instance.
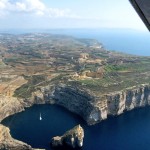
{"points": [[143, 9]]}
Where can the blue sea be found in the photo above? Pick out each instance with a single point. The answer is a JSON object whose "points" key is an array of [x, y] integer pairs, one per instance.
{"points": [[123, 40], [129, 131]]}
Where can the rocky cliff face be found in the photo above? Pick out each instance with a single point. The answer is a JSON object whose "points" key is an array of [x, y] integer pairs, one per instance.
{"points": [[80, 102], [9, 106], [94, 108], [89, 106], [128, 100]]}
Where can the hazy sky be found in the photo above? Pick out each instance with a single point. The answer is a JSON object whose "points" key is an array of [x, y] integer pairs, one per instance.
{"points": [[68, 13]]}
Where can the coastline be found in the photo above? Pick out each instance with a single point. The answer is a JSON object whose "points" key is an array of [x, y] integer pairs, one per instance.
{"points": [[98, 109]]}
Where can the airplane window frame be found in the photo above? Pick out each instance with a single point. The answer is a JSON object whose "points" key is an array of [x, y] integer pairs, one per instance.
{"points": [[140, 12]]}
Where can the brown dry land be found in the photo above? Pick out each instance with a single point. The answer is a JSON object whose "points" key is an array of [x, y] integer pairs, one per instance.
{"points": [[30, 61]]}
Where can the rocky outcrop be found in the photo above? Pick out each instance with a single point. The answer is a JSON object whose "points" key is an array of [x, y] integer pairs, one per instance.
{"points": [[10, 106], [8, 143], [93, 108], [72, 138]]}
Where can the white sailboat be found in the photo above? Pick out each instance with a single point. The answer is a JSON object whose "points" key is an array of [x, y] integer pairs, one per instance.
{"points": [[40, 117]]}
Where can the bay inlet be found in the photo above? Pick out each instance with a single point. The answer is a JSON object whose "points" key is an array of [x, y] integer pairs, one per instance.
{"points": [[130, 130]]}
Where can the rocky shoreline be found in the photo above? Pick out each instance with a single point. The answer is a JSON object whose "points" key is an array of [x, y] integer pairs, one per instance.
{"points": [[10, 106], [90, 107], [8, 143]]}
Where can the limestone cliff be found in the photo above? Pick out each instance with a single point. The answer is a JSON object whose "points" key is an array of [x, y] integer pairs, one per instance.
{"points": [[95, 108], [91, 107], [9, 106]]}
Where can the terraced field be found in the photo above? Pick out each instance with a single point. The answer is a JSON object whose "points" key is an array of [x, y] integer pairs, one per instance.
{"points": [[41, 59]]}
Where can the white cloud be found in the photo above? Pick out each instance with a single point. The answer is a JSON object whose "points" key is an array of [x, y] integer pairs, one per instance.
{"points": [[2, 4], [59, 12], [32, 7]]}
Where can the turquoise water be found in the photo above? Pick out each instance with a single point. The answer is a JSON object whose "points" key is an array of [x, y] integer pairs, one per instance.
{"points": [[129, 131]]}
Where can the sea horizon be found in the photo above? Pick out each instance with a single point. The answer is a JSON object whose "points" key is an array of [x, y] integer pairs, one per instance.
{"points": [[130, 41]]}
